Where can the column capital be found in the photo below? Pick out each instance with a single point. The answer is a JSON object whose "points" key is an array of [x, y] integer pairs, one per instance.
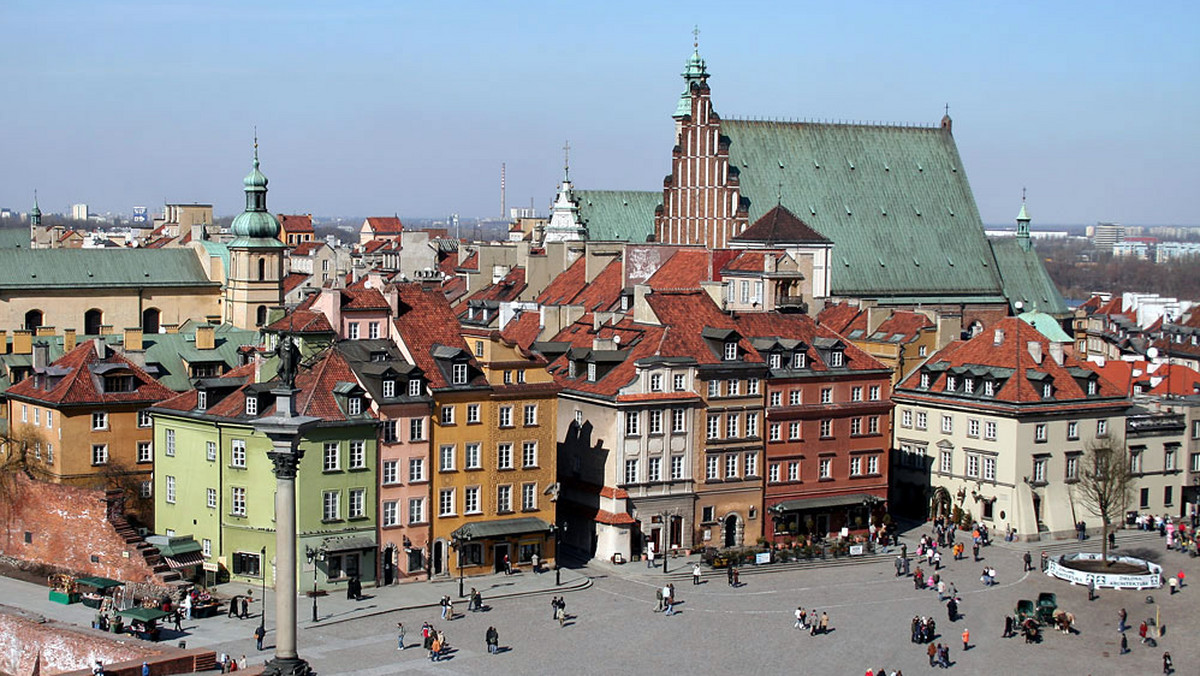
{"points": [[286, 464]]}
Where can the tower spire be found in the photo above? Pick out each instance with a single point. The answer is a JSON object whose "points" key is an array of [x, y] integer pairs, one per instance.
{"points": [[1023, 223]]}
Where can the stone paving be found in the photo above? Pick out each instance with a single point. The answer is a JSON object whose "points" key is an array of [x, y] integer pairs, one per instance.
{"points": [[613, 629]]}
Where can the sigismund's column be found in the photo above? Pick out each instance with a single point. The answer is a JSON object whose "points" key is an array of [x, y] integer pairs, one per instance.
{"points": [[284, 429]]}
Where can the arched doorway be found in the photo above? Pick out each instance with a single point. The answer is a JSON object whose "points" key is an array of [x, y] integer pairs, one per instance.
{"points": [[731, 523], [92, 320], [940, 505], [439, 557], [33, 319], [150, 320]]}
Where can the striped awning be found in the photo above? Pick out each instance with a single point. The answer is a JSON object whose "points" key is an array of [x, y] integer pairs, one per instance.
{"points": [[184, 560]]}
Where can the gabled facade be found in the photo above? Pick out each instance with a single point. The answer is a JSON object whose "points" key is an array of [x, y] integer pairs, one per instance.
{"points": [[295, 229], [380, 227]]}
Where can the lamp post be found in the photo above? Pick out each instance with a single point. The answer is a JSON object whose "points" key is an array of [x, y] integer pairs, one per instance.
{"points": [[314, 555], [262, 623], [458, 541], [558, 530]]}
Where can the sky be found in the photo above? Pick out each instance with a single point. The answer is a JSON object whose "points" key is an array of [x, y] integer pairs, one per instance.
{"points": [[380, 108]]}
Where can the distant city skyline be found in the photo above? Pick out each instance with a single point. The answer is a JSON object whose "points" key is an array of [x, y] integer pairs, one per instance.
{"points": [[380, 108]]}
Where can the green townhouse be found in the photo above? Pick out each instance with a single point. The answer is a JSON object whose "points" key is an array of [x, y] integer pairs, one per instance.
{"points": [[214, 481]]}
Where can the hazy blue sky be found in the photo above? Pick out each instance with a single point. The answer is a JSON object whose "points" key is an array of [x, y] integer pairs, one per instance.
{"points": [[374, 108]]}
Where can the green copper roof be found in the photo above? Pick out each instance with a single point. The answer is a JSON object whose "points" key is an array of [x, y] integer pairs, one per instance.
{"points": [[693, 71], [626, 215], [94, 268], [169, 350], [1046, 325], [895, 201], [1025, 278], [14, 238], [1023, 215], [255, 226]]}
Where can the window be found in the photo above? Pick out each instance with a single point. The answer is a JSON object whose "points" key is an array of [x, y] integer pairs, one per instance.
{"points": [[676, 466], [973, 465], [143, 419], [145, 452], [245, 563], [416, 469], [99, 454], [390, 433], [473, 460], [794, 430], [1039, 470], [799, 360], [170, 450], [633, 423], [745, 291], [591, 374], [793, 471], [353, 331], [479, 348], [99, 419], [210, 451], [416, 429], [906, 417], [1144, 498], [50, 453], [1047, 391], [776, 360], [989, 388], [855, 466], [504, 499], [825, 468], [50, 419], [237, 501], [1169, 460], [873, 464], [836, 358], [331, 505], [1101, 428], [459, 374], [358, 454], [947, 424], [922, 351], [146, 489], [989, 468], [656, 422], [776, 399], [446, 502], [206, 547], [731, 425], [654, 470], [873, 425], [391, 472], [773, 473], [712, 467], [1135, 462], [972, 427], [1073, 430], [373, 330], [714, 426], [389, 388], [391, 514], [531, 415], [730, 351], [446, 458], [679, 420], [856, 394], [794, 398], [855, 427], [508, 378], [751, 463], [922, 420], [472, 414], [471, 500], [504, 456], [631, 471], [416, 510], [731, 466], [520, 376], [414, 387], [680, 382], [656, 382], [827, 395], [951, 383], [751, 425], [774, 433], [358, 503], [251, 405], [947, 466], [201, 400], [25, 416], [874, 393], [447, 415], [969, 385], [924, 381], [752, 386], [331, 460], [1039, 432], [1072, 468], [528, 497], [1195, 460], [354, 406], [1168, 495], [506, 419], [734, 387], [826, 428], [714, 388], [529, 454], [170, 490], [989, 430]]}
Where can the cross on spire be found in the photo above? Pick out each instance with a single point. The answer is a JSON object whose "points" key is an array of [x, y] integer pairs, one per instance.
{"points": [[696, 37], [1022, 194], [256, 145], [566, 160], [947, 109]]}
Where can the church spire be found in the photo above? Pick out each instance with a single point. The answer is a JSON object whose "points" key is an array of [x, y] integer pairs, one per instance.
{"points": [[695, 71], [35, 214], [1023, 223], [255, 222]]}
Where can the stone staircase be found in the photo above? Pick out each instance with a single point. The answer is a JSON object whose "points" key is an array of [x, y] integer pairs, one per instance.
{"points": [[164, 574]]}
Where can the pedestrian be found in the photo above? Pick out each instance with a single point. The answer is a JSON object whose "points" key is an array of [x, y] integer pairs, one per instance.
{"points": [[1028, 562], [975, 550], [668, 593], [937, 560], [1092, 589], [187, 606], [1180, 576], [1173, 583], [259, 634], [736, 582], [1121, 627], [931, 651], [245, 607], [399, 636], [507, 565], [560, 613], [799, 617], [812, 625], [966, 637], [449, 608], [729, 574], [243, 663], [536, 562], [944, 656], [1112, 540], [650, 556], [435, 649], [493, 640], [658, 599], [1142, 630], [952, 609], [442, 603], [899, 566], [1008, 626], [1045, 561], [696, 573], [479, 601], [233, 606], [824, 622], [1124, 644], [146, 669], [1168, 664], [177, 617]]}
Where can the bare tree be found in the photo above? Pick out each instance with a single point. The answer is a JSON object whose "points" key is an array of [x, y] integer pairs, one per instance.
{"points": [[18, 461], [1106, 483]]}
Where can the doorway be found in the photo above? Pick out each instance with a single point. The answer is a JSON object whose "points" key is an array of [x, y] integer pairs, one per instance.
{"points": [[654, 542], [822, 529], [439, 557], [731, 522], [676, 533], [501, 552], [389, 564]]}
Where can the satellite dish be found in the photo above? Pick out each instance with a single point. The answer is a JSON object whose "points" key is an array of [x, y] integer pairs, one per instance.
{"points": [[1019, 305], [616, 340], [367, 284], [1152, 352]]}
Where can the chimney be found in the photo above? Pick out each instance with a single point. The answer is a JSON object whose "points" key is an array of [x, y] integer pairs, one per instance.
{"points": [[106, 329], [206, 337], [998, 337], [641, 308], [22, 341], [41, 356], [45, 331], [169, 328], [875, 316], [1056, 353], [1035, 350], [3, 341], [948, 330], [68, 340]]}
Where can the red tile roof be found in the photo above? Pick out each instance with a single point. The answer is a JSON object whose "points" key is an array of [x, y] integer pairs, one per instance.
{"points": [[424, 321], [523, 330], [316, 386], [838, 316], [686, 314], [361, 295], [385, 225], [684, 270], [293, 280], [1177, 381], [507, 289], [302, 321], [82, 382], [572, 288], [748, 261], [306, 248], [376, 245], [471, 262], [186, 401], [609, 518], [781, 226], [296, 223], [566, 286], [804, 328]]}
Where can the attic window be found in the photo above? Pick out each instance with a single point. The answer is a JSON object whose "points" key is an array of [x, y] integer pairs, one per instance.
{"points": [[460, 374], [251, 405], [989, 388], [1091, 387], [389, 388], [776, 360], [969, 385], [1047, 391], [354, 406], [925, 381], [799, 359], [118, 383], [836, 358], [201, 400], [414, 387], [571, 370], [591, 372], [730, 351]]}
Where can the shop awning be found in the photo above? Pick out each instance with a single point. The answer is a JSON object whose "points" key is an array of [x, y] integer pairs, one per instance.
{"points": [[99, 582], [349, 544], [823, 502], [484, 530], [184, 560]]}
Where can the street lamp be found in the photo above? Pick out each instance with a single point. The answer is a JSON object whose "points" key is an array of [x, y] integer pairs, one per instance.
{"points": [[458, 541], [314, 555], [262, 623], [558, 531]]}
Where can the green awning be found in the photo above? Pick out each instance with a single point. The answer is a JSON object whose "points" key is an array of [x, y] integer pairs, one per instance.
{"points": [[99, 582], [483, 530], [822, 502], [143, 614]]}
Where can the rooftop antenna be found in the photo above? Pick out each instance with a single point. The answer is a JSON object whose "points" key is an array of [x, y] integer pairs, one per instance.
{"points": [[779, 191], [503, 207]]}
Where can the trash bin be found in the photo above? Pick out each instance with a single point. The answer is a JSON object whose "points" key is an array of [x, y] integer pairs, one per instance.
{"points": [[183, 645]]}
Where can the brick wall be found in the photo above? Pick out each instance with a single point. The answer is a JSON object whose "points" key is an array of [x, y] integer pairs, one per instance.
{"points": [[51, 527], [63, 648]]}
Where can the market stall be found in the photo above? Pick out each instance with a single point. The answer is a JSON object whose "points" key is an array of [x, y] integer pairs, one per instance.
{"points": [[143, 622], [94, 590]]}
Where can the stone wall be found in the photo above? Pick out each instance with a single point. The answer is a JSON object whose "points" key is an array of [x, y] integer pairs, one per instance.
{"points": [[23, 636]]}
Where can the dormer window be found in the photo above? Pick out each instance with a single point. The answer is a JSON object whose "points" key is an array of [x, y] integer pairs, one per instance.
{"points": [[251, 405], [836, 358], [656, 382], [1047, 391], [354, 406], [459, 374], [951, 383], [989, 388], [799, 359], [591, 376], [414, 387], [731, 352], [969, 385], [118, 383], [1091, 387], [925, 381], [389, 388], [571, 369], [201, 400], [776, 360]]}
